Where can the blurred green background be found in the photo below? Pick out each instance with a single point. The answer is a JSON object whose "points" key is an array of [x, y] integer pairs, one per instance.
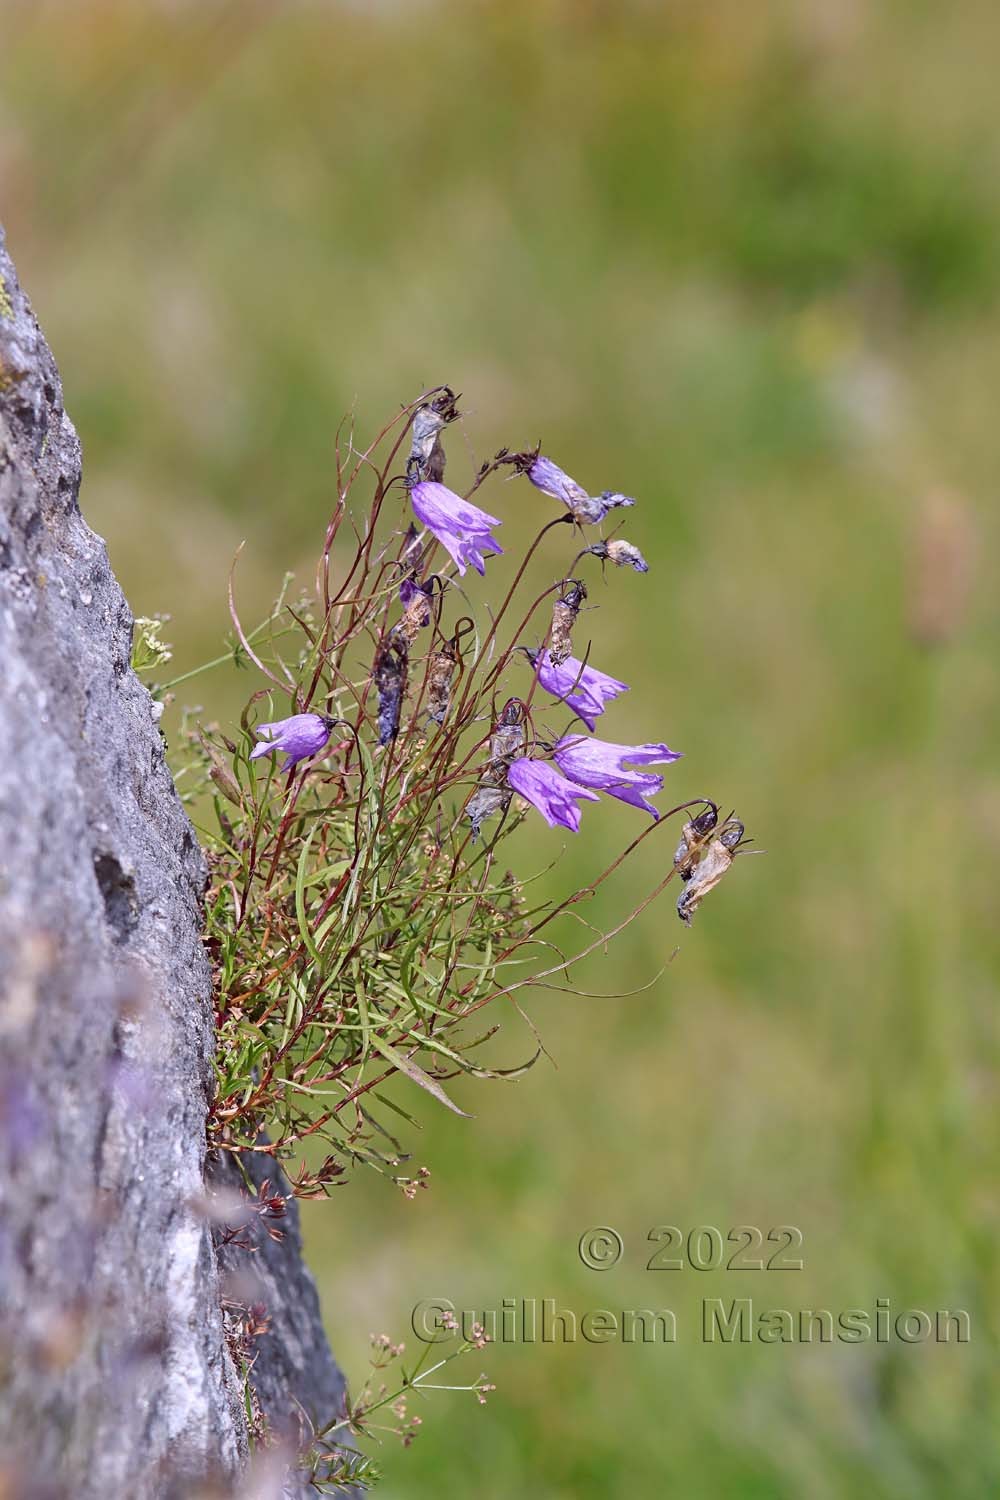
{"points": [[742, 261]]}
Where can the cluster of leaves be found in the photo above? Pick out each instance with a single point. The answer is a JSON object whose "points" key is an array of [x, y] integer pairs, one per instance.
{"points": [[356, 924]]}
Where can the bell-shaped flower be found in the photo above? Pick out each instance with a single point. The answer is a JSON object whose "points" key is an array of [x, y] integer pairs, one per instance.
{"points": [[297, 737], [583, 688], [549, 791], [602, 765], [461, 527]]}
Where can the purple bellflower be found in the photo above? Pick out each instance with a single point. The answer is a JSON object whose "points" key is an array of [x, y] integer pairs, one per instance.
{"points": [[461, 528], [583, 688], [549, 791], [602, 765], [297, 737]]}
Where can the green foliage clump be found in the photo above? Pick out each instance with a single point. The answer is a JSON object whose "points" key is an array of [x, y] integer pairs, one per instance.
{"points": [[357, 920]]}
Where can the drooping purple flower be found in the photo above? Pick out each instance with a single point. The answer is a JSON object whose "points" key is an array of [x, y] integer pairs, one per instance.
{"points": [[588, 510], [549, 791], [602, 765], [461, 527], [583, 688], [297, 737]]}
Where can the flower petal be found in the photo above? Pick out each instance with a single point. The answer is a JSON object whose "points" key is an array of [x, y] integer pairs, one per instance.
{"points": [[549, 792]]}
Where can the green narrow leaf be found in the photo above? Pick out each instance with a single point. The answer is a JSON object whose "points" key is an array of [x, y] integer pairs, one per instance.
{"points": [[410, 1068]]}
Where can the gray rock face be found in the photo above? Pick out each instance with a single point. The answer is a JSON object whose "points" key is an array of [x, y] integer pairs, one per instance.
{"points": [[115, 1375]]}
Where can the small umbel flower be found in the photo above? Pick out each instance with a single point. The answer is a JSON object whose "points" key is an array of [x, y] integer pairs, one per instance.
{"points": [[584, 689], [461, 527], [298, 737], [587, 510], [621, 553], [602, 765], [549, 791]]}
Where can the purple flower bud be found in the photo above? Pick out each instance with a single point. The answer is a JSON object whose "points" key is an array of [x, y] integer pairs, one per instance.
{"points": [[461, 528], [297, 737], [583, 688], [549, 792], [601, 765]]}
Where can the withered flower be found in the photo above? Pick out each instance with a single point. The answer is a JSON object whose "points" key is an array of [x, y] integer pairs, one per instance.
{"points": [[693, 836], [508, 733], [488, 799], [587, 510], [416, 599], [621, 553], [390, 684], [507, 740], [564, 613], [427, 457], [440, 671], [413, 552], [707, 865]]}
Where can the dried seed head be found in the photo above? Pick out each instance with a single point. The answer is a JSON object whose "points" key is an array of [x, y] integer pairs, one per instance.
{"points": [[390, 683], [508, 735], [732, 833], [427, 457], [621, 553], [486, 801], [710, 864], [413, 552], [564, 613], [692, 840], [416, 599], [440, 672], [710, 869]]}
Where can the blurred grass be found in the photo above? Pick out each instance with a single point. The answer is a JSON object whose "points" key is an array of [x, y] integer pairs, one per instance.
{"points": [[743, 263]]}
